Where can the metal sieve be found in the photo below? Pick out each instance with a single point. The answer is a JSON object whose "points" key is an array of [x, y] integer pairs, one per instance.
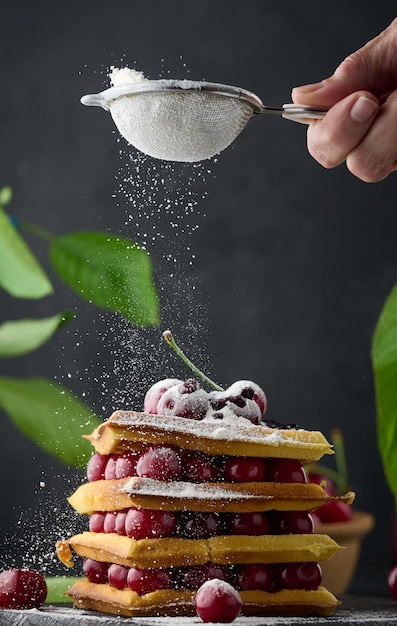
{"points": [[184, 120]]}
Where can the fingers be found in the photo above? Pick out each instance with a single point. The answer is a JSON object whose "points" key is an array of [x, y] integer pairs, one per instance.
{"points": [[331, 90], [361, 97], [361, 132], [375, 157], [331, 139]]}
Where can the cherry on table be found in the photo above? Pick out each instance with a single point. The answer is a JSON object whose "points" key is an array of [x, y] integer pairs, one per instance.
{"points": [[22, 589], [218, 601], [392, 582]]}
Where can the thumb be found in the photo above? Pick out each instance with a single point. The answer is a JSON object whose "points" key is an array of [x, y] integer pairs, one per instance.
{"points": [[372, 68]]}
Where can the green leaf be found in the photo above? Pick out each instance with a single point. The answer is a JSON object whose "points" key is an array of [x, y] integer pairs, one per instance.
{"points": [[5, 196], [51, 416], [23, 336], [384, 362], [110, 271], [21, 275], [57, 587]]}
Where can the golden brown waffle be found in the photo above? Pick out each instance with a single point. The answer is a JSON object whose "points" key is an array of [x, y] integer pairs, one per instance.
{"points": [[177, 552], [129, 430], [171, 602], [114, 495]]}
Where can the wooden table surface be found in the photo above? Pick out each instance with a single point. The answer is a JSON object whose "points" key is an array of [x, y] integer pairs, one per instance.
{"points": [[357, 610]]}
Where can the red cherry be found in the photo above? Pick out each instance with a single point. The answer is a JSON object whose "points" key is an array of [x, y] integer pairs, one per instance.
{"points": [[155, 392], [392, 582], [198, 525], [245, 389], [218, 601], [285, 471], [239, 404], [145, 523], [298, 575], [244, 469], [160, 463], [96, 522], [335, 511], [22, 589], [198, 468], [257, 576], [109, 523], [248, 524], [117, 576], [194, 576], [120, 523], [95, 571], [96, 467], [187, 400], [126, 465], [144, 581], [287, 522], [110, 469]]}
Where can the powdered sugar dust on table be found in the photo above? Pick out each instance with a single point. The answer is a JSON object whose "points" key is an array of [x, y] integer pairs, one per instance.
{"points": [[373, 611]]}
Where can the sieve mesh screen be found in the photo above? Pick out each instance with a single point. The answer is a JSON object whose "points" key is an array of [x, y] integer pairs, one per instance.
{"points": [[184, 125]]}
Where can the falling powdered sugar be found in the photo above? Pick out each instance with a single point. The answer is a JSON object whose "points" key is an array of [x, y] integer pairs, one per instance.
{"points": [[161, 202]]}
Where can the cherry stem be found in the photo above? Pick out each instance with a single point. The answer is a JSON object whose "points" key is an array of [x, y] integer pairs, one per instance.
{"points": [[167, 335], [340, 459], [337, 479], [338, 476]]}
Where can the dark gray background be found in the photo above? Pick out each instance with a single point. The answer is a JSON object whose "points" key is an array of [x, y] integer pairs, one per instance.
{"points": [[279, 272]]}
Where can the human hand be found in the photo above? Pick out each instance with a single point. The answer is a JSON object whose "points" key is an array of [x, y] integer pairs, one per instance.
{"points": [[360, 126]]}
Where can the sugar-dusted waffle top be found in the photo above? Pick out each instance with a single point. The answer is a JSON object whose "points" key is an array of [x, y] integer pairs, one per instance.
{"points": [[233, 435], [200, 487]]}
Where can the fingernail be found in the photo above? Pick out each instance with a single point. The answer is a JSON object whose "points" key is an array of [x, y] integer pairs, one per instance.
{"points": [[363, 109], [310, 88]]}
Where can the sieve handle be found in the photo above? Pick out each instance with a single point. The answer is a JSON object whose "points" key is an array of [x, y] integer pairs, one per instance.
{"points": [[302, 114], [297, 113], [95, 100]]}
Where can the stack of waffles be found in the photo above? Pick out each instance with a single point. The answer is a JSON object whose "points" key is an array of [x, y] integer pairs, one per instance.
{"points": [[175, 501]]}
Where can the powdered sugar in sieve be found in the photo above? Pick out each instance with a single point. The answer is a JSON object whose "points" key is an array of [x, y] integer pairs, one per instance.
{"points": [[185, 120]]}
